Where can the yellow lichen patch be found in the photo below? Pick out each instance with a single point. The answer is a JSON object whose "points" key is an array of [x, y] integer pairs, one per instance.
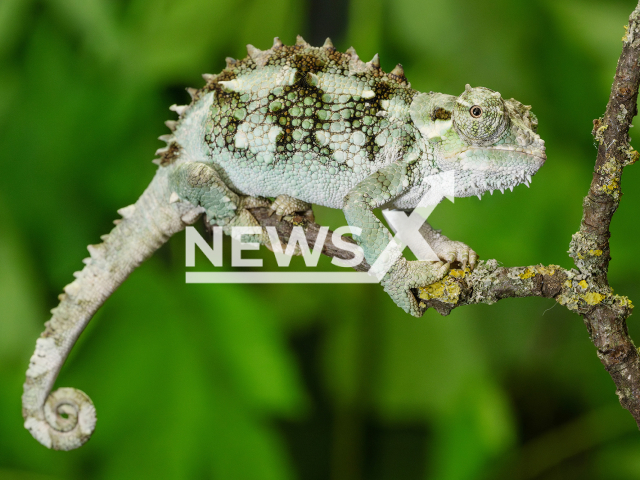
{"points": [[610, 170], [457, 273], [446, 290], [593, 298], [623, 301], [625, 38], [550, 270], [575, 302], [528, 273], [610, 187], [583, 284], [569, 301], [632, 155], [610, 167], [600, 133], [596, 253]]}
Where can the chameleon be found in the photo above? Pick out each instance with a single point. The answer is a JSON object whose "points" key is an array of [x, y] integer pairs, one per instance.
{"points": [[286, 128]]}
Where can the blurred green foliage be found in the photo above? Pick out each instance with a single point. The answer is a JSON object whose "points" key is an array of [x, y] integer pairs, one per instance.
{"points": [[305, 382]]}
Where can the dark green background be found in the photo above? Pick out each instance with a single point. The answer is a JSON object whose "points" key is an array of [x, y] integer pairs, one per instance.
{"points": [[304, 381]]}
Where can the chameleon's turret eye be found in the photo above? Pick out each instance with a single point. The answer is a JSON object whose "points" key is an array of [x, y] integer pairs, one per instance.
{"points": [[475, 111], [479, 116]]}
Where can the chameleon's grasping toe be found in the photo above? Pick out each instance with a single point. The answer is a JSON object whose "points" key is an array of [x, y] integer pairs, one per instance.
{"points": [[449, 251], [286, 205]]}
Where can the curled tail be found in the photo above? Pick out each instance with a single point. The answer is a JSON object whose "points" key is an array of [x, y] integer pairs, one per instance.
{"points": [[66, 418]]}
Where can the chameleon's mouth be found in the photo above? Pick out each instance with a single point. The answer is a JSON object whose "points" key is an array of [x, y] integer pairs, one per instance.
{"points": [[537, 152], [496, 154]]}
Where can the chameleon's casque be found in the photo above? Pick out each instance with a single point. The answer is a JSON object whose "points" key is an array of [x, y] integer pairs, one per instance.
{"points": [[302, 125]]}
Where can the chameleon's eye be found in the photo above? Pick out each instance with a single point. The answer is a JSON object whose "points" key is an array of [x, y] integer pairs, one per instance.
{"points": [[475, 111], [479, 116]]}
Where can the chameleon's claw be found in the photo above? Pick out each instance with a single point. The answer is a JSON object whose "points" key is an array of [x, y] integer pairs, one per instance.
{"points": [[287, 205], [449, 257], [464, 259], [253, 202], [310, 216], [473, 258]]}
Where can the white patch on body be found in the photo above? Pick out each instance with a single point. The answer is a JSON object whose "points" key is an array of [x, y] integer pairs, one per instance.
{"points": [[191, 130]]}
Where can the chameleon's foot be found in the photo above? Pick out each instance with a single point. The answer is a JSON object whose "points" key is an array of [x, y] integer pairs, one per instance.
{"points": [[451, 251], [200, 184], [254, 202], [287, 205], [244, 218], [447, 250], [405, 275]]}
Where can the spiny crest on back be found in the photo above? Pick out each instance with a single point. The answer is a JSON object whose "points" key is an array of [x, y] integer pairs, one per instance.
{"points": [[299, 64], [307, 60]]}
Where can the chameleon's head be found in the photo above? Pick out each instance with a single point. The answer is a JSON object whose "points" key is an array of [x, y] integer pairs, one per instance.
{"points": [[489, 143]]}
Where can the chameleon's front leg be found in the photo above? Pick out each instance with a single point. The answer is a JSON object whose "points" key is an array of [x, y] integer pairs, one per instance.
{"points": [[374, 191]]}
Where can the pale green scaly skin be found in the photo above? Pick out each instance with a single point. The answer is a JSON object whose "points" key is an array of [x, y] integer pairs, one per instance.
{"points": [[307, 126]]}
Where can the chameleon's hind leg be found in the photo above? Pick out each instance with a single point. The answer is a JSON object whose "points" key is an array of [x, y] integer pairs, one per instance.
{"points": [[200, 184], [287, 205]]}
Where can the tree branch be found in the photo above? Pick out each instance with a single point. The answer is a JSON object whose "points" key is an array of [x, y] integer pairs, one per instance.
{"points": [[585, 290]]}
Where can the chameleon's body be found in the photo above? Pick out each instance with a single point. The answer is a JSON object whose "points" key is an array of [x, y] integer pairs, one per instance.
{"points": [[305, 125]]}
